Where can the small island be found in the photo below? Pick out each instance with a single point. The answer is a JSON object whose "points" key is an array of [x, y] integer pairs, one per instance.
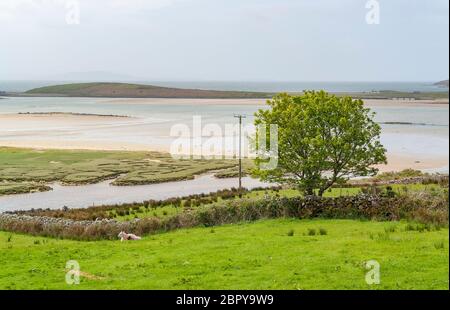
{"points": [[124, 90]]}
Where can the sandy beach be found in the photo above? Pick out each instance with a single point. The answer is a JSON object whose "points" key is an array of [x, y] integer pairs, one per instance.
{"points": [[424, 148], [57, 118], [396, 162]]}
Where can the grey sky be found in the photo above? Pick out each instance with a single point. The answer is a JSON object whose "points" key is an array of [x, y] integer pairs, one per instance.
{"points": [[288, 40]]}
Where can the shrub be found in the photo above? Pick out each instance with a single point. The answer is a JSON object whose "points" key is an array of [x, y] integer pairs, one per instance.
{"points": [[439, 245], [390, 229], [322, 231], [430, 211], [410, 227], [291, 233], [311, 232]]}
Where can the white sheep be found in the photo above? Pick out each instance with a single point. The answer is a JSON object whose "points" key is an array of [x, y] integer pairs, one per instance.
{"points": [[124, 236]]}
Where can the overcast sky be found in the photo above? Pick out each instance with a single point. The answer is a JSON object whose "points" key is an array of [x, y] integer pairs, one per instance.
{"points": [[272, 40]]}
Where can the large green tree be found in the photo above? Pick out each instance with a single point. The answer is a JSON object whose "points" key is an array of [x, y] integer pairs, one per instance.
{"points": [[322, 140]]}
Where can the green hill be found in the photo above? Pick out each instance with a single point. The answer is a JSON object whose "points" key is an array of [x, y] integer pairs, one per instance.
{"points": [[123, 90], [442, 83]]}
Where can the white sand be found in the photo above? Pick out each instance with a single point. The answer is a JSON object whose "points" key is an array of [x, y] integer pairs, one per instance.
{"points": [[30, 120], [396, 162]]}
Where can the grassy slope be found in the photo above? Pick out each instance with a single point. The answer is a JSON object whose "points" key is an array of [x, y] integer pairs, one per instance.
{"points": [[249, 256], [138, 91], [444, 83]]}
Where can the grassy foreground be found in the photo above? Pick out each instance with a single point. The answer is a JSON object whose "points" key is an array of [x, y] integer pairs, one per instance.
{"points": [[270, 254]]}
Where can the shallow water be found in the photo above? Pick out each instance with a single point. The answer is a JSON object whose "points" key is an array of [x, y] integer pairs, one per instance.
{"points": [[106, 194], [422, 134], [423, 129]]}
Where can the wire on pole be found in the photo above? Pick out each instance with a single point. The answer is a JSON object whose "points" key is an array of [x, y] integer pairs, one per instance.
{"points": [[240, 117]]}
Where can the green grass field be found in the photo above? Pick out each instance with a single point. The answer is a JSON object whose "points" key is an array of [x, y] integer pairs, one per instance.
{"points": [[260, 255]]}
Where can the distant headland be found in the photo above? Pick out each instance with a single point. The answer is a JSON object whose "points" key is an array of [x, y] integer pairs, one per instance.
{"points": [[127, 90], [443, 83]]}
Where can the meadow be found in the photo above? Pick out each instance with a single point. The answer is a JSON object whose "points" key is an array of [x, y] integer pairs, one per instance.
{"points": [[269, 254]]}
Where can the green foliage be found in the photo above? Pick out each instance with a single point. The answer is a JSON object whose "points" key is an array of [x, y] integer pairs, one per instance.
{"points": [[311, 232], [439, 245], [427, 205], [323, 231], [322, 140], [407, 173]]}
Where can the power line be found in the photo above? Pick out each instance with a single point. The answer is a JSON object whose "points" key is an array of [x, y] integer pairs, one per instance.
{"points": [[240, 117]]}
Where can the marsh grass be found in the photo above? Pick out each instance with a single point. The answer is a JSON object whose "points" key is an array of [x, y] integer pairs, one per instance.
{"points": [[14, 188], [19, 168]]}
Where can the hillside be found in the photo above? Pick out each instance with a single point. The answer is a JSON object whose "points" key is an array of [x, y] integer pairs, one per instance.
{"points": [[444, 83], [122, 90]]}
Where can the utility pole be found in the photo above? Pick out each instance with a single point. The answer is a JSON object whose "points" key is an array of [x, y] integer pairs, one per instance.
{"points": [[240, 117]]}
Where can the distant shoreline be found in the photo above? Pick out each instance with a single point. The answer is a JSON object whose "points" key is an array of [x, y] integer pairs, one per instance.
{"points": [[71, 114], [125, 90], [244, 101]]}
